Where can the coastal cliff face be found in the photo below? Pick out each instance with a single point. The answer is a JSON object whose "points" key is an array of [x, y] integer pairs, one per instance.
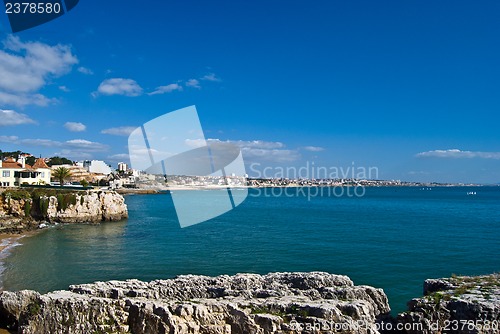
{"points": [[313, 302], [90, 207], [22, 210], [244, 303]]}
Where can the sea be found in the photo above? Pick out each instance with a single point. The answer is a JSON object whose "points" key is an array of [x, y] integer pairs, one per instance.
{"points": [[387, 237]]}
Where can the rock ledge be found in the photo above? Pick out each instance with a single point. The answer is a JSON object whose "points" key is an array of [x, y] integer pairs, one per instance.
{"points": [[244, 303]]}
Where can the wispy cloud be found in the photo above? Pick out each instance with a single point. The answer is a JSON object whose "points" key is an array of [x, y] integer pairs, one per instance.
{"points": [[458, 154], [166, 89], [193, 83], [211, 77], [74, 154], [8, 139], [10, 117], [73, 148], [121, 157], [75, 126], [119, 131], [39, 142], [26, 67], [119, 86], [21, 100], [257, 150], [64, 89], [313, 148], [85, 144], [85, 70]]}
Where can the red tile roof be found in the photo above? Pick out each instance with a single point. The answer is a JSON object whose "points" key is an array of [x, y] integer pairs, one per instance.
{"points": [[9, 164], [40, 163]]}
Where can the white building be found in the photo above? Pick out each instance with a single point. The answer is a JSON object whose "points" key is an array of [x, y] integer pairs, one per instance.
{"points": [[97, 167], [15, 173], [122, 167]]}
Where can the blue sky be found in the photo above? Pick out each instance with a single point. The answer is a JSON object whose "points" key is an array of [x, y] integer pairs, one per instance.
{"points": [[410, 87]]}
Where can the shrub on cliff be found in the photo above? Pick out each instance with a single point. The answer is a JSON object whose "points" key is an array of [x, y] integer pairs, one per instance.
{"points": [[16, 194], [27, 208]]}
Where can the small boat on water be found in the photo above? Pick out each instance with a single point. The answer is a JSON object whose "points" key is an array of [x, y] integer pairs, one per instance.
{"points": [[471, 193]]}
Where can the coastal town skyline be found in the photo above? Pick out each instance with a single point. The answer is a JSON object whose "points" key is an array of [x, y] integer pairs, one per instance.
{"points": [[329, 83]]}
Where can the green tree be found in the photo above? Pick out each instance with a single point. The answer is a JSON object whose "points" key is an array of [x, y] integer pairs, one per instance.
{"points": [[14, 154], [61, 174], [84, 183], [31, 160], [59, 161]]}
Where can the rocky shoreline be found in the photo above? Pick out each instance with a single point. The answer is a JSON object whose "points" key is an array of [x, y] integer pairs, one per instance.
{"points": [[314, 302], [24, 210]]}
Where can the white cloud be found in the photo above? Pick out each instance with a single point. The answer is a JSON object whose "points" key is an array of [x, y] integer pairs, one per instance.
{"points": [[193, 83], [85, 144], [119, 86], [40, 142], [313, 148], [257, 149], [85, 70], [275, 155], [26, 67], [75, 126], [21, 99], [211, 77], [8, 139], [119, 131], [10, 117], [64, 89], [260, 144], [121, 157], [73, 149], [166, 89], [74, 155], [457, 154], [76, 145]]}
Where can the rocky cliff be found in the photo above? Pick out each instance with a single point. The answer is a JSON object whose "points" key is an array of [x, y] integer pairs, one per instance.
{"points": [[25, 209], [457, 305], [244, 303], [91, 206], [314, 302]]}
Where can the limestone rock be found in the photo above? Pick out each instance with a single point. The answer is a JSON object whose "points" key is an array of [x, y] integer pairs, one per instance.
{"points": [[457, 305], [90, 207], [243, 303]]}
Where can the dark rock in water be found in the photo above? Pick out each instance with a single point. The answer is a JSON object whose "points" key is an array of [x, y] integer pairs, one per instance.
{"points": [[244, 303]]}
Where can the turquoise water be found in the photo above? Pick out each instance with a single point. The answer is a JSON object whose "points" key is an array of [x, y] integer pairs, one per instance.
{"points": [[392, 238]]}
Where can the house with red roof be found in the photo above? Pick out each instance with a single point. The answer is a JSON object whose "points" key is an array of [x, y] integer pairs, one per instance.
{"points": [[15, 173]]}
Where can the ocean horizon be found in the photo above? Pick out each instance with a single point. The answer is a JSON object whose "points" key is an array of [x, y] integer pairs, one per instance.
{"points": [[390, 237]]}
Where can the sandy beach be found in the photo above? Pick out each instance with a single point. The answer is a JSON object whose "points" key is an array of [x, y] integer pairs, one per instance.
{"points": [[7, 240]]}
